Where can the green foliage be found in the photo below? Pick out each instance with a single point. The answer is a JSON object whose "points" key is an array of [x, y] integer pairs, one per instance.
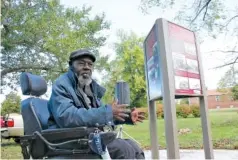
{"points": [[128, 66], [160, 111], [228, 80], [11, 104], [183, 111], [235, 92], [147, 4], [184, 101], [38, 36], [195, 111]]}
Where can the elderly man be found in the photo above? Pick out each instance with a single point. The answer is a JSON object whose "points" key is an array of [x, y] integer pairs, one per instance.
{"points": [[75, 102]]}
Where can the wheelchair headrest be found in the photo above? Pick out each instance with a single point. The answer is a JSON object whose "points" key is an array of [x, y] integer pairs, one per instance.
{"points": [[32, 84]]}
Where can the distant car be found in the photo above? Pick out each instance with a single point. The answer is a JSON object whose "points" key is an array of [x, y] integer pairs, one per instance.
{"points": [[12, 126]]}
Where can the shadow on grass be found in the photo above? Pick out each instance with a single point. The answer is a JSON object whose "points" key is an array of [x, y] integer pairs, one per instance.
{"points": [[6, 144]]}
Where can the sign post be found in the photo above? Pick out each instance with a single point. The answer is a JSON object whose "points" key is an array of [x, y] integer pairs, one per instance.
{"points": [[173, 70], [206, 128]]}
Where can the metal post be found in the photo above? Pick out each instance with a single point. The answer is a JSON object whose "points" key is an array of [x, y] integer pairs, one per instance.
{"points": [[153, 130], [206, 128], [168, 91]]}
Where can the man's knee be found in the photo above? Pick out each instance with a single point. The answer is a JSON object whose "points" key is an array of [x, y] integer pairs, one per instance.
{"points": [[120, 149], [124, 149], [139, 152]]}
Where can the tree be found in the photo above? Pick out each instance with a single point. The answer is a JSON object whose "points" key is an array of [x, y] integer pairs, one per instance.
{"points": [[128, 66], [235, 92], [209, 17], [229, 80], [38, 36], [11, 104]]}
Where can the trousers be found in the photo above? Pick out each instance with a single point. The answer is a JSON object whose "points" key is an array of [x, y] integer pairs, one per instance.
{"points": [[125, 149]]}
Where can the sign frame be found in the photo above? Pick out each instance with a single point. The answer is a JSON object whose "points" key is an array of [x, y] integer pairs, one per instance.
{"points": [[168, 94]]}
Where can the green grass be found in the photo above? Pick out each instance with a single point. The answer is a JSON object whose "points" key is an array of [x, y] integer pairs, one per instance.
{"points": [[224, 127], [10, 150]]}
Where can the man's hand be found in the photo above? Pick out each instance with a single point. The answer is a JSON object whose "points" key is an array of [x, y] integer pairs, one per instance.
{"points": [[119, 111], [137, 116]]}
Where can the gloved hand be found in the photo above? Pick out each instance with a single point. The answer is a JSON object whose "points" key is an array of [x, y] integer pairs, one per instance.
{"points": [[137, 116]]}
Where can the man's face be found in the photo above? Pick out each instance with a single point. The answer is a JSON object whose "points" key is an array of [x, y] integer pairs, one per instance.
{"points": [[83, 68]]}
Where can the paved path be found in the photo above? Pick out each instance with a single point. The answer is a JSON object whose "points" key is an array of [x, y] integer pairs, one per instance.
{"points": [[198, 154]]}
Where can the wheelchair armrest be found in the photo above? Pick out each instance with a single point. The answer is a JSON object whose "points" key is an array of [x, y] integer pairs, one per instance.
{"points": [[66, 133]]}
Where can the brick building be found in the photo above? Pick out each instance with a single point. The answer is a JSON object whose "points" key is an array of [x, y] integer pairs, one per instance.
{"points": [[217, 100]]}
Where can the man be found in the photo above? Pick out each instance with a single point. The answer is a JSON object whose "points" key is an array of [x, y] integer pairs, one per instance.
{"points": [[75, 102]]}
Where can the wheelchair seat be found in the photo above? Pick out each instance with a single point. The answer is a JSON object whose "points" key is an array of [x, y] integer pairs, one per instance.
{"points": [[40, 141]]}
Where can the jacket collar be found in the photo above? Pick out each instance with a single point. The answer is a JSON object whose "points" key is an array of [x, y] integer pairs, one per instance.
{"points": [[98, 90]]}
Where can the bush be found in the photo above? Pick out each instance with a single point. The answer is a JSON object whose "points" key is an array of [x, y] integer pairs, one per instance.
{"points": [[183, 111], [160, 111], [195, 111]]}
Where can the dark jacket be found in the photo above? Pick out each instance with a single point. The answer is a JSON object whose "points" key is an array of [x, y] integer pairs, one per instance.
{"points": [[68, 108]]}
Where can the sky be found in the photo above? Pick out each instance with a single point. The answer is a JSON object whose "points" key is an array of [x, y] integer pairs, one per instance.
{"points": [[125, 14]]}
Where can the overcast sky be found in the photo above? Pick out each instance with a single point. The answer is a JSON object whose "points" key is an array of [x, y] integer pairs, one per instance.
{"points": [[125, 14]]}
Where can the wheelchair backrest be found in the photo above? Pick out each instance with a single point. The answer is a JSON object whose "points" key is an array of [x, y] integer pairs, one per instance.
{"points": [[34, 110]]}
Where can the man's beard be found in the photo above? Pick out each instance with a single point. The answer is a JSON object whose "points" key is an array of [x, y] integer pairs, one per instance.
{"points": [[84, 81]]}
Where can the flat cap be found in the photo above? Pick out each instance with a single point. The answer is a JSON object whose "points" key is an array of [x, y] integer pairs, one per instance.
{"points": [[81, 53]]}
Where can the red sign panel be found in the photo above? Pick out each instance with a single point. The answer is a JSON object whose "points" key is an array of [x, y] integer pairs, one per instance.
{"points": [[185, 61]]}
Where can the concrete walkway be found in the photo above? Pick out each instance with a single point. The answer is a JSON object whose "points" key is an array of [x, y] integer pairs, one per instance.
{"points": [[198, 154]]}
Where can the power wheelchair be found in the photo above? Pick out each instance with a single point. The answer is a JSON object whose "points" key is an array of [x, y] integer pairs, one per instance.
{"points": [[43, 142]]}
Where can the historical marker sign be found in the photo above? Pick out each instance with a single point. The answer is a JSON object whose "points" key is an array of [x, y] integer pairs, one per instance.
{"points": [[185, 60]]}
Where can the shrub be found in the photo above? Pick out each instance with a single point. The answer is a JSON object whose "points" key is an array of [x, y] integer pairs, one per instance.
{"points": [[183, 111], [195, 111], [160, 111]]}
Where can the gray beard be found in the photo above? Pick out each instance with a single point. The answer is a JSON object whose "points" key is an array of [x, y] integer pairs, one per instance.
{"points": [[84, 81]]}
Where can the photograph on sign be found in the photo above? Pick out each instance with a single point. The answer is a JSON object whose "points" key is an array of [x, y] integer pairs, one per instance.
{"points": [[192, 66], [181, 83], [179, 61], [194, 83], [185, 61], [153, 66]]}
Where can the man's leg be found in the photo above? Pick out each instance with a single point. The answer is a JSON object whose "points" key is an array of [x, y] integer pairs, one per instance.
{"points": [[124, 149], [139, 152]]}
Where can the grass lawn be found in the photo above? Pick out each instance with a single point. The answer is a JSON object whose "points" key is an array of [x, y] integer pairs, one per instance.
{"points": [[224, 126]]}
